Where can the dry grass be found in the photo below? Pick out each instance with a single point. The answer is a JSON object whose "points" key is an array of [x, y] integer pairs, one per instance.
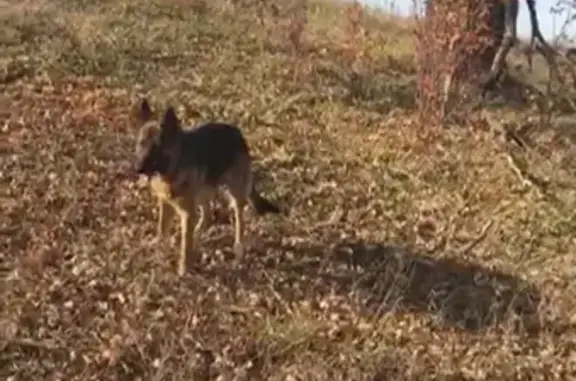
{"points": [[402, 259]]}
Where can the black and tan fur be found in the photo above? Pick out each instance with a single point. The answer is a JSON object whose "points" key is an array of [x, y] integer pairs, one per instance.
{"points": [[186, 167]]}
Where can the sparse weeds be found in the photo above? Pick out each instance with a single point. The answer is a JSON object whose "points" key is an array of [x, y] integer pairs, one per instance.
{"points": [[480, 290]]}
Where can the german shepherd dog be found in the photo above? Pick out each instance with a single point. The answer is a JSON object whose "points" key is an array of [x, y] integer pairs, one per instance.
{"points": [[186, 168]]}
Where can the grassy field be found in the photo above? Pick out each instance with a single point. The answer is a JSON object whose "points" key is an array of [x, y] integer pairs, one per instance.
{"points": [[402, 258]]}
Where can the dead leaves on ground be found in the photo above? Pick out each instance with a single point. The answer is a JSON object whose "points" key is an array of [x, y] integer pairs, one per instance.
{"points": [[85, 292]]}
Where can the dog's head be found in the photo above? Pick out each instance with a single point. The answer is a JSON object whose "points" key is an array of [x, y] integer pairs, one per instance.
{"points": [[157, 145]]}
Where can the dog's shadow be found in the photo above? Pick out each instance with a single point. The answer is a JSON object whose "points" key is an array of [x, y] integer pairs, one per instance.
{"points": [[465, 295], [381, 279]]}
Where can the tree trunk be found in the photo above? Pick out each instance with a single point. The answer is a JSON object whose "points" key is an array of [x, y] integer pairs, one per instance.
{"points": [[495, 23], [493, 17]]}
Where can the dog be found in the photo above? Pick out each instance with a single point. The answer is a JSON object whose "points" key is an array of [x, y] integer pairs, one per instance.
{"points": [[185, 168]]}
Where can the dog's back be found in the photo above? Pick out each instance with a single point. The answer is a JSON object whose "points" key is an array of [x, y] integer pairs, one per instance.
{"points": [[215, 155], [216, 151]]}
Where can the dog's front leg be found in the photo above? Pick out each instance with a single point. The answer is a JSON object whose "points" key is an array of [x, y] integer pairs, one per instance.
{"points": [[165, 214]]}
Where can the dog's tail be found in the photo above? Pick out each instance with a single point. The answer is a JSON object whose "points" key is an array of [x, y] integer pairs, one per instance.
{"points": [[261, 204]]}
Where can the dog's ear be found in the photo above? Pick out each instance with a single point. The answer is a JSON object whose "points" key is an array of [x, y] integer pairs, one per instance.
{"points": [[170, 125], [146, 135], [141, 112], [145, 110]]}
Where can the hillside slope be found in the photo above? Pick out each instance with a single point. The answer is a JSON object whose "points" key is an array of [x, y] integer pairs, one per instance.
{"points": [[402, 258]]}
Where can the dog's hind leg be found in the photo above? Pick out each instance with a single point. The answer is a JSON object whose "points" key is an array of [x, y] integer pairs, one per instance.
{"points": [[205, 216], [239, 227], [237, 204], [187, 250], [238, 188]]}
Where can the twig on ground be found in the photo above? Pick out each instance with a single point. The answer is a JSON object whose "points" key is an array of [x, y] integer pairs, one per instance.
{"points": [[479, 238], [30, 343], [277, 296]]}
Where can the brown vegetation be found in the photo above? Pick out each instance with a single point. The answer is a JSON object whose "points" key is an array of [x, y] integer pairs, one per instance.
{"points": [[402, 259]]}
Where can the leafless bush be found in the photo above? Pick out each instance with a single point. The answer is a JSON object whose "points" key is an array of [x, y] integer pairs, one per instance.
{"points": [[286, 20], [355, 52], [297, 18], [564, 9]]}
